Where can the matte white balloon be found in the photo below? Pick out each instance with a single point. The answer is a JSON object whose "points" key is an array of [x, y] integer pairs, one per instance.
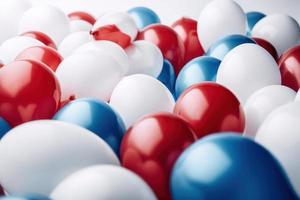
{"points": [[218, 19], [46, 19], [38, 155], [144, 58], [280, 134], [262, 102], [138, 95], [247, 68], [280, 30], [105, 182], [80, 25]]}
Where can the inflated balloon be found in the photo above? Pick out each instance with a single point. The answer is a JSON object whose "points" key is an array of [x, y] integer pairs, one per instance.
{"points": [[80, 25], [209, 108], [45, 39], [143, 16], [138, 95], [4, 128], [252, 19], [50, 21], [280, 135], [228, 166], [186, 28], [262, 102], [167, 76], [289, 64], [103, 182], [246, 69], [267, 46], [223, 46], [280, 30], [24, 198], [29, 91], [198, 70], [96, 116], [218, 19], [52, 150], [168, 41], [167, 136], [144, 58], [79, 15], [44, 54]]}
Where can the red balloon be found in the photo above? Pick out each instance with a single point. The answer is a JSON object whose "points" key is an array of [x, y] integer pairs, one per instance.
{"points": [[267, 46], [210, 108], [168, 41], [42, 37], [289, 65], [44, 54], [1, 191], [186, 28], [78, 15], [151, 147], [28, 91]]}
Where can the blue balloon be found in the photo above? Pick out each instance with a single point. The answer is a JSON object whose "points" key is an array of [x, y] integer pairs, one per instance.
{"points": [[24, 198], [252, 19], [167, 76], [96, 116], [229, 166], [198, 70], [143, 16], [4, 127], [221, 47]]}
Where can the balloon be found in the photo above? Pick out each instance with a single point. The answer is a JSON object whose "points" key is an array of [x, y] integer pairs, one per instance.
{"points": [[210, 107], [28, 91], [167, 76], [262, 102], [1, 191], [80, 25], [4, 128], [289, 65], [90, 74], [50, 21], [228, 166], [252, 19], [51, 151], [138, 95], [12, 47], [168, 41], [223, 46], [280, 135], [198, 70], [246, 69], [24, 198], [143, 16], [218, 19], [84, 16], [96, 116], [152, 145], [267, 46], [186, 28], [44, 54], [45, 39], [144, 58], [280, 30]]}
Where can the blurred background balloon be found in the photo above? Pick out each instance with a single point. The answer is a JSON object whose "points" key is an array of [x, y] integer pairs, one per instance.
{"points": [[143, 16], [4, 128], [252, 18], [167, 76]]}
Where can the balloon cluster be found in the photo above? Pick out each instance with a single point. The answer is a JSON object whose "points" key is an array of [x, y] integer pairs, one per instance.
{"points": [[124, 107]]}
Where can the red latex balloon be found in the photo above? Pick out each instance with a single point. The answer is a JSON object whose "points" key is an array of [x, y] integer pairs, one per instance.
{"points": [[28, 91], [152, 145], [44, 54], [168, 41], [289, 65], [210, 108], [78, 15], [186, 28], [267, 46], [46, 40]]}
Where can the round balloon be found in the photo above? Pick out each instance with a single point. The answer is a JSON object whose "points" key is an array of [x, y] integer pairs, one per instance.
{"points": [[45, 39], [252, 19], [167, 76], [267, 46], [4, 128], [143, 16], [84, 16]]}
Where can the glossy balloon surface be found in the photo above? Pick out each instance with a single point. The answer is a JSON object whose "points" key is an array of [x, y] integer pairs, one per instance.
{"points": [[79, 15], [167, 76], [143, 16], [4, 128], [267, 46], [252, 19], [42, 37]]}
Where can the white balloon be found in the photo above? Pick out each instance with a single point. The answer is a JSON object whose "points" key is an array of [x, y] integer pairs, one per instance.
{"points": [[219, 19], [280, 30], [246, 69], [46, 19], [105, 182], [80, 25], [73, 41], [12, 47], [280, 135], [89, 74], [262, 102], [38, 155], [138, 95], [144, 58], [297, 98]]}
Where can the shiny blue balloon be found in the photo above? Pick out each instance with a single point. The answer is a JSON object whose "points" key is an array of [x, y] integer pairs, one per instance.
{"points": [[198, 70], [252, 19], [143, 16], [229, 166], [221, 47], [24, 198], [167, 76], [96, 116], [4, 127]]}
